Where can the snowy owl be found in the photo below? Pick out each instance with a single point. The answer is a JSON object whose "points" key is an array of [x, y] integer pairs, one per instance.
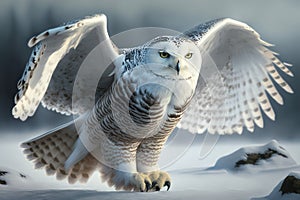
{"points": [[143, 93]]}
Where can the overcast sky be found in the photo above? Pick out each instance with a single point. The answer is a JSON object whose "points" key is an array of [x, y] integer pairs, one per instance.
{"points": [[276, 21]]}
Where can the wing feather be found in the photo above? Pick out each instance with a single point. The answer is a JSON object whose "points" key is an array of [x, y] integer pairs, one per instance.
{"points": [[234, 95], [52, 47]]}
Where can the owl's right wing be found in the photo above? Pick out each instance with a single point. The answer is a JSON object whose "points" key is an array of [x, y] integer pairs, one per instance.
{"points": [[51, 71], [239, 71]]}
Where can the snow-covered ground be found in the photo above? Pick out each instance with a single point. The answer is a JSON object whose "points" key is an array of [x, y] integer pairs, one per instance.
{"points": [[192, 177], [285, 189]]}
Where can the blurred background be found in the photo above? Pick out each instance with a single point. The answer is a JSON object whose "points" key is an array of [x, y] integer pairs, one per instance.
{"points": [[277, 21]]}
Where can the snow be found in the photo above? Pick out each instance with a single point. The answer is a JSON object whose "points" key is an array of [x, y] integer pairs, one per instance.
{"points": [[90, 195], [295, 174], [12, 179], [276, 194], [280, 159], [192, 177]]}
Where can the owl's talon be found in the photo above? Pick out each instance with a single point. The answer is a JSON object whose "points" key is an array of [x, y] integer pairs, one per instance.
{"points": [[154, 183], [159, 180], [157, 188], [168, 184], [148, 185]]}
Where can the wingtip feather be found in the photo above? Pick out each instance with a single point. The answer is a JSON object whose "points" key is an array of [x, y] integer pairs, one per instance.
{"points": [[271, 115], [267, 44], [259, 123], [32, 41], [287, 64]]}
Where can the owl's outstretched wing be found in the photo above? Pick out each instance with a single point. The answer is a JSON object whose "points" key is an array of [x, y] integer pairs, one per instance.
{"points": [[237, 71], [53, 65]]}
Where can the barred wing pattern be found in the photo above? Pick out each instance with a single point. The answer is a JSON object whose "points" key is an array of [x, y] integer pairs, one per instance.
{"points": [[54, 52], [233, 97]]}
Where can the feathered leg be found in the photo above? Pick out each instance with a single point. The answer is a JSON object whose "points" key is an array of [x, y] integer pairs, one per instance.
{"points": [[147, 162]]}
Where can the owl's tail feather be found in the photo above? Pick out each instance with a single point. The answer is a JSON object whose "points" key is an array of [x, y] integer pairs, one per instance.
{"points": [[51, 150]]}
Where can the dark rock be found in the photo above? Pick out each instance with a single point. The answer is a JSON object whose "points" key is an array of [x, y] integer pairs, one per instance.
{"points": [[290, 185], [22, 175], [9, 177], [2, 173], [253, 158], [3, 182]]}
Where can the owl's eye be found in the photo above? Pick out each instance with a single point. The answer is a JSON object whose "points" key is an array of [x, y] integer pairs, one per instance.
{"points": [[188, 55], [164, 54]]}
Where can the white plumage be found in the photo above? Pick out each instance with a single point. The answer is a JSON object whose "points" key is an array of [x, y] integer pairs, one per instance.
{"points": [[235, 96], [216, 76]]}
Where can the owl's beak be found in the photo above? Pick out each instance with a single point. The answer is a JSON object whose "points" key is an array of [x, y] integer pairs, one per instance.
{"points": [[178, 67]]}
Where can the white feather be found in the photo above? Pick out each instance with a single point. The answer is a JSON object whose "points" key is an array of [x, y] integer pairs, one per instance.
{"points": [[52, 46], [227, 41]]}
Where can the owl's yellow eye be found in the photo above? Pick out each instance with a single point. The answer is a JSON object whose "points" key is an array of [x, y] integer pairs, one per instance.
{"points": [[188, 55], [164, 54]]}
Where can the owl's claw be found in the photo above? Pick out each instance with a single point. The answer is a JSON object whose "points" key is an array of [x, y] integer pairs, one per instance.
{"points": [[155, 186], [148, 185], [159, 180], [147, 188], [168, 184], [141, 182], [147, 182]]}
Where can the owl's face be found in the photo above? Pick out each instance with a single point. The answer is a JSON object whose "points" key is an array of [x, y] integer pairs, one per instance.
{"points": [[173, 58]]}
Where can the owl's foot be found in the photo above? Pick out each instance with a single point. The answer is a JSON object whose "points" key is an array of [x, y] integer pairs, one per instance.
{"points": [[141, 182], [149, 182], [138, 181], [159, 179]]}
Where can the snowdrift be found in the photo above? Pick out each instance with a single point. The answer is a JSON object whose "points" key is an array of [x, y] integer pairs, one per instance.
{"points": [[287, 189], [256, 158]]}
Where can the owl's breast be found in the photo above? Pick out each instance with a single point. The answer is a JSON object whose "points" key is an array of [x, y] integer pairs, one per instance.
{"points": [[141, 105]]}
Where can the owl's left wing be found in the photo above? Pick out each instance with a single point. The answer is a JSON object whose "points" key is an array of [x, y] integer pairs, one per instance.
{"points": [[54, 63], [237, 71]]}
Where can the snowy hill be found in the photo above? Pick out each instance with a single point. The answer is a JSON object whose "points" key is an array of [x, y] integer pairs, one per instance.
{"points": [[287, 189], [256, 158]]}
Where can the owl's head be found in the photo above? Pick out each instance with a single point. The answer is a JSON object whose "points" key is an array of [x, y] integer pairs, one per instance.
{"points": [[173, 57]]}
